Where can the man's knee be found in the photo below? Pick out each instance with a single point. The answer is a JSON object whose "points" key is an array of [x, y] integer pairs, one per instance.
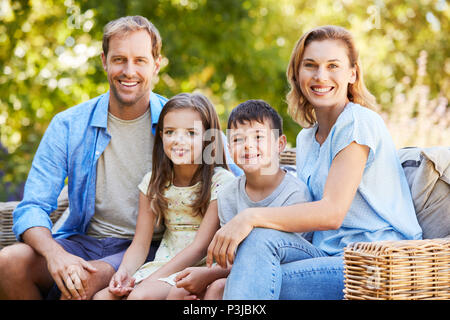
{"points": [[16, 259]]}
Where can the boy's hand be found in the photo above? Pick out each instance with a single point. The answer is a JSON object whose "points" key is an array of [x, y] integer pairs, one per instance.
{"points": [[121, 283], [193, 279], [226, 240]]}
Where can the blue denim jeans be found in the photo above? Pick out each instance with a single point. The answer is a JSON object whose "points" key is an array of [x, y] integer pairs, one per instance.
{"points": [[271, 264]]}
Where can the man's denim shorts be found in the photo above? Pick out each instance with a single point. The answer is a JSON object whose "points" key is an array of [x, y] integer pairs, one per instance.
{"points": [[109, 250]]}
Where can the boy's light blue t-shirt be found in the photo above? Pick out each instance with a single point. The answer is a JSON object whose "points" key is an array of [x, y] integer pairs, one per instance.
{"points": [[382, 208]]}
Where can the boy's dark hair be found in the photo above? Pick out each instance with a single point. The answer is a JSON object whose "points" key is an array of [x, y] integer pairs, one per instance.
{"points": [[255, 110]]}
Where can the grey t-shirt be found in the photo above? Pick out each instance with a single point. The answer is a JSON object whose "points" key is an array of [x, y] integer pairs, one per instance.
{"points": [[120, 168], [234, 199]]}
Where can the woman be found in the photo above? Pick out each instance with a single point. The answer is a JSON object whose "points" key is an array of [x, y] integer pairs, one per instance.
{"points": [[348, 160]]}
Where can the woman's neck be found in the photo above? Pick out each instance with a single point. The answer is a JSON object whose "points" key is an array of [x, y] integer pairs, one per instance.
{"points": [[183, 174], [326, 118]]}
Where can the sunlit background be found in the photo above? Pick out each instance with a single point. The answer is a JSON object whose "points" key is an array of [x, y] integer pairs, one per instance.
{"points": [[230, 50]]}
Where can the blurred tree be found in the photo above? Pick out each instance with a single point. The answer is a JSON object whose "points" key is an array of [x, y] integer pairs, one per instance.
{"points": [[230, 50]]}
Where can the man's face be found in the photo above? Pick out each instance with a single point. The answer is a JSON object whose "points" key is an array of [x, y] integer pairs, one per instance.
{"points": [[130, 67]]}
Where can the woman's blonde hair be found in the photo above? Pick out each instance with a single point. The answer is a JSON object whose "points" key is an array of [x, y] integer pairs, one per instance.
{"points": [[299, 107], [162, 166]]}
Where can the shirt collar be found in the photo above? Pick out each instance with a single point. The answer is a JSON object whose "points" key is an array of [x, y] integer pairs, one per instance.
{"points": [[100, 115]]}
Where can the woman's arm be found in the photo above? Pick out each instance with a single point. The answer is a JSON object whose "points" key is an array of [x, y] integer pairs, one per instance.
{"points": [[328, 213], [197, 249]]}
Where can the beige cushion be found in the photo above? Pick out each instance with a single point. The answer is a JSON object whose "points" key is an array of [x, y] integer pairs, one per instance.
{"points": [[428, 173]]}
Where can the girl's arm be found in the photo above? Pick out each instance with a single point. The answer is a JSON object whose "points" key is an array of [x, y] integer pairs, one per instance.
{"points": [[138, 250], [197, 249], [328, 213]]}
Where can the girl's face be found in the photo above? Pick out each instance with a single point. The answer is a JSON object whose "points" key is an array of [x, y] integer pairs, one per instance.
{"points": [[182, 136], [325, 73]]}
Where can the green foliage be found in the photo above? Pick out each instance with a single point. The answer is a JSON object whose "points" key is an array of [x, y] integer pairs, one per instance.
{"points": [[230, 50]]}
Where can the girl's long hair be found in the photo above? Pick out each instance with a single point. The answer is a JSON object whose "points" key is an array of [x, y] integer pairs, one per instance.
{"points": [[162, 166], [299, 107]]}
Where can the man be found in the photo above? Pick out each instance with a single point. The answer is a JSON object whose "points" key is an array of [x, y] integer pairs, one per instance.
{"points": [[104, 147]]}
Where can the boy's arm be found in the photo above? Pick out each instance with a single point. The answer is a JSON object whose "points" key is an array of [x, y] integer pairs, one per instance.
{"points": [[197, 279]]}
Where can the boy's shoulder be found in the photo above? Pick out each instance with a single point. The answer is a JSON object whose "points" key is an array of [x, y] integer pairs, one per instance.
{"points": [[296, 188], [292, 181]]}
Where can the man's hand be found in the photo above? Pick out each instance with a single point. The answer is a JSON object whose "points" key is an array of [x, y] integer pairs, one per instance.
{"points": [[226, 240], [71, 274]]}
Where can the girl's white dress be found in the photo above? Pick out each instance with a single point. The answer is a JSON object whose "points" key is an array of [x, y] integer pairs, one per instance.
{"points": [[179, 220]]}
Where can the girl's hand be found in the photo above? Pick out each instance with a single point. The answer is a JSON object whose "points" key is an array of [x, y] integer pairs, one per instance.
{"points": [[121, 283], [223, 245], [193, 279]]}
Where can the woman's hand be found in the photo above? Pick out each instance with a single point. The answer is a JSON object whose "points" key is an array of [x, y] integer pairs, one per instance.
{"points": [[226, 240]]}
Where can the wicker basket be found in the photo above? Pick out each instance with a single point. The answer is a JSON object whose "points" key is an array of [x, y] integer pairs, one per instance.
{"points": [[7, 237], [398, 270], [287, 157]]}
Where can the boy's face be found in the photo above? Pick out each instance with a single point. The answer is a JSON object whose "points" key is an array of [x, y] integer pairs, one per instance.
{"points": [[255, 148]]}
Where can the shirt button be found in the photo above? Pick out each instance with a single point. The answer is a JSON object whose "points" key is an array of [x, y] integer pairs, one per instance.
{"points": [[97, 153]]}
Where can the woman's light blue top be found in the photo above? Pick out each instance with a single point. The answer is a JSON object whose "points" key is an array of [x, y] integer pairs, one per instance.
{"points": [[382, 208]]}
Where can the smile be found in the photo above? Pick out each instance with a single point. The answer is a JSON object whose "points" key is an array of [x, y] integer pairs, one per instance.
{"points": [[179, 152], [128, 84], [248, 157], [320, 89]]}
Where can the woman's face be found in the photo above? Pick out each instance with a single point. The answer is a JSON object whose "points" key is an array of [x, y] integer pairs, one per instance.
{"points": [[325, 73]]}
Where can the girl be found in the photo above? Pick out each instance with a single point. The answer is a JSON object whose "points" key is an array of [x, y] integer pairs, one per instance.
{"points": [[180, 190], [348, 160]]}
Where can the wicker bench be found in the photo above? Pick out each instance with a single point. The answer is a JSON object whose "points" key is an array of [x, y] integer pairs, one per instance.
{"points": [[7, 237], [409, 269]]}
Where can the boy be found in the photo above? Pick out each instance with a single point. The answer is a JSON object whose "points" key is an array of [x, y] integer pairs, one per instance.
{"points": [[255, 141]]}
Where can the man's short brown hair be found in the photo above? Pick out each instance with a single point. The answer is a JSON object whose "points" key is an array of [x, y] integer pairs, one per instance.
{"points": [[127, 24]]}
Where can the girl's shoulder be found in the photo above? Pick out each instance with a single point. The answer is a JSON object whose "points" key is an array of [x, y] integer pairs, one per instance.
{"points": [[222, 175], [143, 185], [220, 179]]}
